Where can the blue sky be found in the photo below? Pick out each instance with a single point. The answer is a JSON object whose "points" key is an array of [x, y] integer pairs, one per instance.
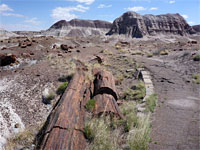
{"points": [[41, 14]]}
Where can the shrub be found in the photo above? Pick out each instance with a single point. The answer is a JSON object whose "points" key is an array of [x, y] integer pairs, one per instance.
{"points": [[151, 102], [65, 78], [164, 52], [90, 105], [51, 95], [61, 88], [196, 57], [47, 96], [22, 139], [196, 76], [137, 94], [150, 55], [89, 133], [139, 137]]}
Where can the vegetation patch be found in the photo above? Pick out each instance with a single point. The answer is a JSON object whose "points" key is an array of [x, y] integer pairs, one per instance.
{"points": [[66, 78], [136, 92], [196, 57], [164, 52], [50, 96], [61, 88], [99, 133], [23, 139], [129, 110], [139, 137], [151, 102], [196, 78], [90, 105], [150, 55]]}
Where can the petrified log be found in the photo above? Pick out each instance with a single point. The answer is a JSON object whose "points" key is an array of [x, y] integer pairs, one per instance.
{"points": [[105, 94], [104, 83], [106, 104], [64, 129]]}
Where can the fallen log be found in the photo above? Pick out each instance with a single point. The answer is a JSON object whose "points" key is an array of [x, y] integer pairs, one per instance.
{"points": [[106, 104], [64, 129], [105, 94], [104, 83]]}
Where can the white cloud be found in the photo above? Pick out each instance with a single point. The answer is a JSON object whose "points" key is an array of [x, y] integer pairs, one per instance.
{"points": [[87, 2], [33, 21], [172, 2], [12, 14], [104, 6], [139, 8], [4, 8], [153, 8], [5, 11], [185, 16], [66, 13], [191, 23]]}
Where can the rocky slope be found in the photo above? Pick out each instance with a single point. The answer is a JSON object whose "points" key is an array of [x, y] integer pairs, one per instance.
{"points": [[196, 28], [77, 27], [135, 25]]}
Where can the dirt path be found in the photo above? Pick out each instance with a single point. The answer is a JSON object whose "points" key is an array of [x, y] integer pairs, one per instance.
{"points": [[176, 123]]}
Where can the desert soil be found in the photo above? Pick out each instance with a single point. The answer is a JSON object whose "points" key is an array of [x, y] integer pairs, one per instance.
{"points": [[175, 123]]}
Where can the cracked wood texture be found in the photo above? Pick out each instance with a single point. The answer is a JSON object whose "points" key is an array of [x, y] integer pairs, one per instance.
{"points": [[105, 94], [104, 83], [65, 124]]}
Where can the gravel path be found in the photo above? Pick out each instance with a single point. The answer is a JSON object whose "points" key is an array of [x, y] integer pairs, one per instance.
{"points": [[176, 122]]}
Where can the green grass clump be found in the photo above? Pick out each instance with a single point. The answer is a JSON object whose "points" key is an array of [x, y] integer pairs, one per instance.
{"points": [[89, 133], [196, 57], [139, 137], [100, 134], [61, 88], [129, 110], [151, 102], [90, 105], [135, 94], [196, 78]]}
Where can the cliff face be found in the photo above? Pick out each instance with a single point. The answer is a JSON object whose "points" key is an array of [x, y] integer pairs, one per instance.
{"points": [[77, 27], [135, 25]]}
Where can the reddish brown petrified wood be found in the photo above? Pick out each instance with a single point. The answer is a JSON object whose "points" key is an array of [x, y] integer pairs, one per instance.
{"points": [[65, 124]]}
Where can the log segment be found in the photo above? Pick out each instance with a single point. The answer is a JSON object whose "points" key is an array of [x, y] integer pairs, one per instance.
{"points": [[104, 83], [65, 124], [105, 94]]}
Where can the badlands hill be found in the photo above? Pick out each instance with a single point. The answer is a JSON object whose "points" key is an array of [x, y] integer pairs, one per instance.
{"points": [[133, 24], [77, 27], [4, 33]]}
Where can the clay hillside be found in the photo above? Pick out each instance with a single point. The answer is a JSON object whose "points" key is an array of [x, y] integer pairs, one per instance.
{"points": [[133, 84], [135, 25]]}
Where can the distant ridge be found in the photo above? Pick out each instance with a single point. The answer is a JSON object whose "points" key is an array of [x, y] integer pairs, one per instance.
{"points": [[79, 27], [5, 34], [135, 25]]}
